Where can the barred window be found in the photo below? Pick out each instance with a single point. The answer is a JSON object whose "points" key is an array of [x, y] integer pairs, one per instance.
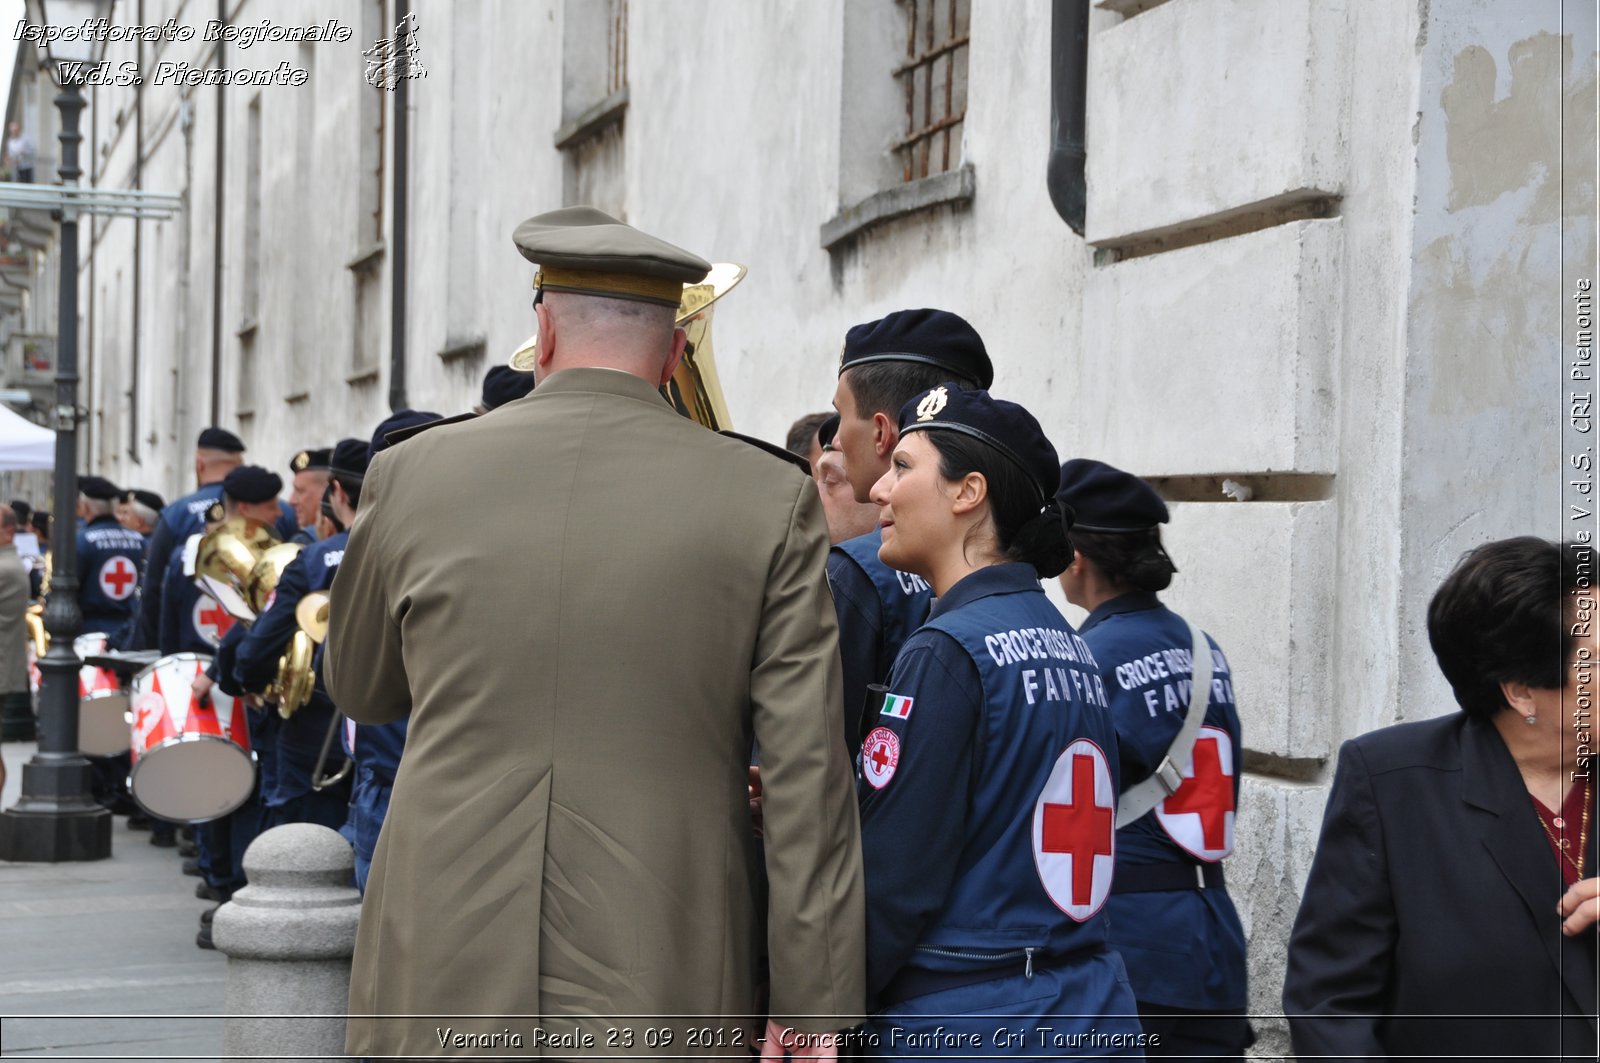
{"points": [[934, 77]]}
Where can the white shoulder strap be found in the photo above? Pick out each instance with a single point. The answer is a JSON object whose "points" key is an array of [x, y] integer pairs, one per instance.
{"points": [[1168, 777]]}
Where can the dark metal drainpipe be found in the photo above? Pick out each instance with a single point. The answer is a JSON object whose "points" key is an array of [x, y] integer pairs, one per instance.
{"points": [[138, 240], [397, 274], [217, 221], [1069, 83]]}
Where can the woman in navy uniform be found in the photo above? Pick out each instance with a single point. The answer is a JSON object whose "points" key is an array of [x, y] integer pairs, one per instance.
{"points": [[1171, 917], [989, 780]]}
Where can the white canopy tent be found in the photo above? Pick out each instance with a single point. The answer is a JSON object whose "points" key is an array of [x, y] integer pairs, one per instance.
{"points": [[23, 444]]}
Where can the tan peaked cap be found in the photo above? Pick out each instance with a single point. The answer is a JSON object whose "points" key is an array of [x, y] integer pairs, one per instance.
{"points": [[584, 250]]}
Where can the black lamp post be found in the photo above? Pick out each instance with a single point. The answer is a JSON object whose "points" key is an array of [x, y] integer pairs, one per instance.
{"points": [[56, 819]]}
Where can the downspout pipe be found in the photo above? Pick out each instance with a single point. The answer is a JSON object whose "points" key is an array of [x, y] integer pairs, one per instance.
{"points": [[1069, 97], [397, 272], [217, 222]]}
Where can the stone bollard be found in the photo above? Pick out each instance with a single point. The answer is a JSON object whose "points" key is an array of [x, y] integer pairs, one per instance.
{"points": [[289, 936]]}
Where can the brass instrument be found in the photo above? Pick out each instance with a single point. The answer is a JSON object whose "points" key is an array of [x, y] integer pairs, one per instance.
{"points": [[227, 557], [296, 668], [694, 389], [312, 615], [266, 572], [37, 632]]}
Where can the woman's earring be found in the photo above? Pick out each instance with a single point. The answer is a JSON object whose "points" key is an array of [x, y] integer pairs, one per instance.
{"points": [[1532, 719]]}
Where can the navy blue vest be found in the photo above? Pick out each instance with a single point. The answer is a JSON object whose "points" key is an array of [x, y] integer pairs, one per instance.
{"points": [[109, 557], [1036, 865], [1183, 948]]}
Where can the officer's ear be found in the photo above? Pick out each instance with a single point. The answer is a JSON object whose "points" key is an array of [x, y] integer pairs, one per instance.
{"points": [[680, 340], [885, 435]]}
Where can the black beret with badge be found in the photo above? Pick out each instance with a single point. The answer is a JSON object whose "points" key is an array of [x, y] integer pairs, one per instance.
{"points": [[926, 337], [586, 251], [1108, 500], [252, 483], [220, 439], [314, 459], [98, 488], [1005, 426], [349, 458]]}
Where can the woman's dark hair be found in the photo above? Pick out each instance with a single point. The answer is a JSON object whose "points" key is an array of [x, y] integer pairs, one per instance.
{"points": [[1028, 524], [1131, 561], [1500, 617]]}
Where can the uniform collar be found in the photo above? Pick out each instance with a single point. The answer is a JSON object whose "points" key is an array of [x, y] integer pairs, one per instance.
{"points": [[1008, 578], [102, 518], [593, 380], [1132, 602]]}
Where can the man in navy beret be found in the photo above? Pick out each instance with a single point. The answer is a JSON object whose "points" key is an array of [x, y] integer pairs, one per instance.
{"points": [[310, 471], [884, 364]]}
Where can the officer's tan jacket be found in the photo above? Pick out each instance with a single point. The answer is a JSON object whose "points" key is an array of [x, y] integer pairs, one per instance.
{"points": [[589, 606]]}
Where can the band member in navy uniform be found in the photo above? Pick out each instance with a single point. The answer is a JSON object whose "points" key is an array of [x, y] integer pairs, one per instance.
{"points": [[884, 363], [1171, 916], [108, 558], [988, 783], [310, 471], [218, 452]]}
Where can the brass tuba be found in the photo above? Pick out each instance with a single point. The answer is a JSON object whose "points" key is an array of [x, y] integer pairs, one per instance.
{"points": [[694, 389], [312, 615], [226, 560]]}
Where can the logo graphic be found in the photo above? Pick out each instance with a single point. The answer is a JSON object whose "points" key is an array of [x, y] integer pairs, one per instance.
{"points": [[118, 578], [1199, 816], [1074, 831], [932, 403], [897, 706], [880, 756], [394, 60]]}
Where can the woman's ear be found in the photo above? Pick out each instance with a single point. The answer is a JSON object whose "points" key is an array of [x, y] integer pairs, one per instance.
{"points": [[970, 493], [1520, 697]]}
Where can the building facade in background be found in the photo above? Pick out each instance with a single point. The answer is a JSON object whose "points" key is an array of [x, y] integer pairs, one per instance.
{"points": [[1325, 251]]}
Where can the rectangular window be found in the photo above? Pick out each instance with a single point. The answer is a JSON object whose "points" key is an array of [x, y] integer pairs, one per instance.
{"points": [[934, 79]]}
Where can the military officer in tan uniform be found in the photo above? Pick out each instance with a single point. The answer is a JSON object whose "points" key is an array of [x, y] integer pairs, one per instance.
{"points": [[585, 663]]}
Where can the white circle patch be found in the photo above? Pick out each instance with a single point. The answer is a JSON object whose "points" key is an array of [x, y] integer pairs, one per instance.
{"points": [[1199, 816], [119, 578], [1075, 830], [880, 756], [211, 621]]}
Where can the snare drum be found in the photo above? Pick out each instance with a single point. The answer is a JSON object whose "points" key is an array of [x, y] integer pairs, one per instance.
{"points": [[191, 761], [92, 680], [102, 703]]}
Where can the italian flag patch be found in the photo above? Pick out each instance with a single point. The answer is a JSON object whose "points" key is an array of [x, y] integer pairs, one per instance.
{"points": [[897, 706]]}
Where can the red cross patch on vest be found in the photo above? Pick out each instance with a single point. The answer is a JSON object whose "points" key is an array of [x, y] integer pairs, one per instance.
{"points": [[1199, 816], [1074, 831], [880, 756], [118, 578]]}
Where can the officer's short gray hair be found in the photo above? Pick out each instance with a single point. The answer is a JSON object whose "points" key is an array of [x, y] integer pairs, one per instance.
{"points": [[98, 507], [144, 513]]}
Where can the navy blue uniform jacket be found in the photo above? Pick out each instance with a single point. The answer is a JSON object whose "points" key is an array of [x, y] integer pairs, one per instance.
{"points": [[1433, 893]]}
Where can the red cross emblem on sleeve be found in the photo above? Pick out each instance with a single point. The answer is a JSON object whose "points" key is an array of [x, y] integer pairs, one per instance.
{"points": [[1199, 816], [1074, 831], [118, 578], [211, 621]]}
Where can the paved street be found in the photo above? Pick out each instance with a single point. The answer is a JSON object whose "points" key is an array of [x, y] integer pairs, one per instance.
{"points": [[103, 939]]}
